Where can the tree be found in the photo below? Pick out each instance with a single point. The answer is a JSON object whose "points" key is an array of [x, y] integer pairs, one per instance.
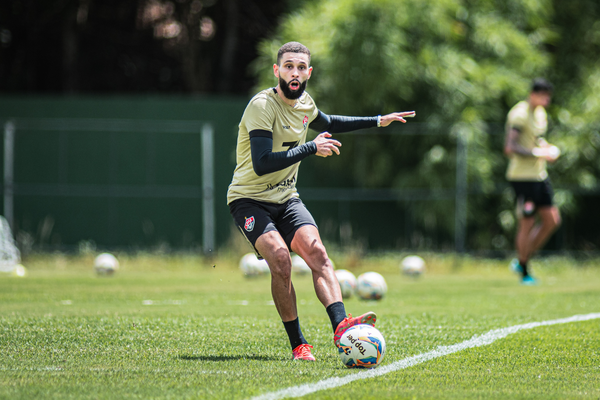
{"points": [[577, 132], [459, 64], [131, 46]]}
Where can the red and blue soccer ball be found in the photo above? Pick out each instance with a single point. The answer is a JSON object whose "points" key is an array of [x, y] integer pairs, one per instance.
{"points": [[362, 346]]}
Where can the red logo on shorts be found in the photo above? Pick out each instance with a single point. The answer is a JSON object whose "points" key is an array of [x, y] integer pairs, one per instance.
{"points": [[249, 224]]}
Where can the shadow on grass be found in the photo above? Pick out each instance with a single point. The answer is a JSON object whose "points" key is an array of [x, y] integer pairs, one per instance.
{"points": [[255, 357]]}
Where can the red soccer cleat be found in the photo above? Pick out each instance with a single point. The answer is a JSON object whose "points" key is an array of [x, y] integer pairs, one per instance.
{"points": [[302, 352], [367, 318]]}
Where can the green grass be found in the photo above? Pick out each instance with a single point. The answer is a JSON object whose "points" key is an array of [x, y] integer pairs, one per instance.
{"points": [[183, 327]]}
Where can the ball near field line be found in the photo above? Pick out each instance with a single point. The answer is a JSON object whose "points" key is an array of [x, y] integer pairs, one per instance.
{"points": [[361, 346]]}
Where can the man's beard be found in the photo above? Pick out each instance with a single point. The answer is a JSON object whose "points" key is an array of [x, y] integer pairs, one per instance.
{"points": [[289, 93]]}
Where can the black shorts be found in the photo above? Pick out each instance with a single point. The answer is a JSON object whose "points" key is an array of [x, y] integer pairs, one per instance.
{"points": [[540, 193], [257, 217]]}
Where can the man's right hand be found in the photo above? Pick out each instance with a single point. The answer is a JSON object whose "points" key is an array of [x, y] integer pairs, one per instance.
{"points": [[325, 146], [549, 152]]}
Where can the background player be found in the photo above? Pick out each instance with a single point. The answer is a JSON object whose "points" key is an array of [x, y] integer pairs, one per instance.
{"points": [[528, 153], [262, 196]]}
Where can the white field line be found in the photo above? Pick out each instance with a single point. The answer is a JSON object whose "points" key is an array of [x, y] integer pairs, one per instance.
{"points": [[475, 341]]}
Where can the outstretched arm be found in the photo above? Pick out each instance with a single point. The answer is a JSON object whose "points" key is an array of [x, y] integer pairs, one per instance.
{"points": [[265, 161], [341, 123]]}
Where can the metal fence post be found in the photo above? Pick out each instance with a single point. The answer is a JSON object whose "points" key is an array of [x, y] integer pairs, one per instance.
{"points": [[9, 147], [460, 216], [208, 190]]}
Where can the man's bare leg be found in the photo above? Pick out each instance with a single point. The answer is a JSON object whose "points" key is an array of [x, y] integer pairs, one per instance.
{"points": [[532, 235], [308, 245], [522, 242], [274, 250], [550, 220]]}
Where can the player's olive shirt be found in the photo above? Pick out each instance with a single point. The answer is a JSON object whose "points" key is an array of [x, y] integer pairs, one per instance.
{"points": [[289, 125], [531, 124]]}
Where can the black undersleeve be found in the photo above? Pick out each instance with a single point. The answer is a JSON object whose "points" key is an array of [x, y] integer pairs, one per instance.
{"points": [[341, 123], [265, 161]]}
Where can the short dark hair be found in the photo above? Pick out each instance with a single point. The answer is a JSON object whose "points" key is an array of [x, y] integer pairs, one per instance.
{"points": [[292, 47], [541, 85]]}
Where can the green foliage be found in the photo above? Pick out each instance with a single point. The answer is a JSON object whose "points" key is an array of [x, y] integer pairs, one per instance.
{"points": [[461, 65], [177, 327], [578, 107]]}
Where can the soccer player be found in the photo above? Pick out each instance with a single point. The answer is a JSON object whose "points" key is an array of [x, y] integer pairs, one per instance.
{"points": [[263, 199], [528, 154]]}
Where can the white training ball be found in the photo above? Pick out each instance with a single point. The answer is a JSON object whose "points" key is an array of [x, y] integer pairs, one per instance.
{"points": [[347, 282], [249, 265], [252, 266], [361, 346], [371, 286], [262, 266], [413, 265], [19, 271], [106, 264], [300, 266]]}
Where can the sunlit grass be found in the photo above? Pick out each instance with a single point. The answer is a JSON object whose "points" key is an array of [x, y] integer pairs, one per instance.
{"points": [[182, 326]]}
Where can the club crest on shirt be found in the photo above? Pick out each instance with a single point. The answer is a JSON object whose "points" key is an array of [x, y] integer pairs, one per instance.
{"points": [[305, 121], [249, 224]]}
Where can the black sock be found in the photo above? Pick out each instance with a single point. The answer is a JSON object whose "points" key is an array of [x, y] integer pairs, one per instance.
{"points": [[294, 333], [337, 313], [524, 268]]}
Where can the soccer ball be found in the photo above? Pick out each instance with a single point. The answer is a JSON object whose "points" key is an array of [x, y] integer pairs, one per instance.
{"points": [[347, 282], [332, 263], [361, 346], [413, 265], [248, 264], [300, 266], [371, 286], [262, 266], [106, 264], [252, 266], [19, 271]]}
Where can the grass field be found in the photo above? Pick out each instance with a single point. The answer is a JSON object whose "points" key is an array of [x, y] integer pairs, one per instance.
{"points": [[182, 327]]}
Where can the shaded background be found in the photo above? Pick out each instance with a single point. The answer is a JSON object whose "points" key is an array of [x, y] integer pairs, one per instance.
{"points": [[72, 69], [132, 46]]}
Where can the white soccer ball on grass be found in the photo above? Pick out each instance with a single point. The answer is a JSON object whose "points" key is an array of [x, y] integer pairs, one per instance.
{"points": [[347, 282], [252, 266], [412, 265], [106, 264], [262, 266], [300, 266], [16, 270], [362, 346], [19, 271], [371, 286]]}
